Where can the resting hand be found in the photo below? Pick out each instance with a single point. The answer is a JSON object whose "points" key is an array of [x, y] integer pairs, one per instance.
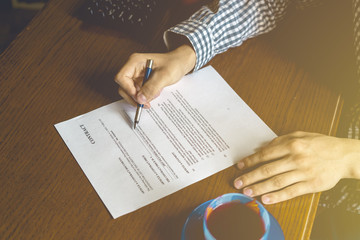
{"points": [[297, 164], [168, 68]]}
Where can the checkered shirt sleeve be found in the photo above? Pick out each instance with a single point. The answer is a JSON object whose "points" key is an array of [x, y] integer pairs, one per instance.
{"points": [[213, 32]]}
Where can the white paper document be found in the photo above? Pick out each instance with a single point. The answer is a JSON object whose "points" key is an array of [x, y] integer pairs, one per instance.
{"points": [[195, 128]]}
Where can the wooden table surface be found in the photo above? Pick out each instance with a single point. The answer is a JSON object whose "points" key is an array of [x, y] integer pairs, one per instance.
{"points": [[58, 68]]}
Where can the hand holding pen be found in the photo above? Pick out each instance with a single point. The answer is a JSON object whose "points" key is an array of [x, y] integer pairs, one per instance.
{"points": [[169, 68], [148, 69]]}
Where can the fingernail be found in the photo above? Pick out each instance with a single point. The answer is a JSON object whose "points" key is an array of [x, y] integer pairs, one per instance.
{"points": [[266, 199], [147, 105], [141, 98], [241, 165], [238, 184], [248, 192]]}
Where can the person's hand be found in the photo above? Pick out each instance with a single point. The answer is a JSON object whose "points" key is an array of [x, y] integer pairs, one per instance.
{"points": [[168, 68], [297, 164]]}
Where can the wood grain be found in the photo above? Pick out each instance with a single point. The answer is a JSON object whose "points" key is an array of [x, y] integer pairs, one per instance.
{"points": [[59, 68]]}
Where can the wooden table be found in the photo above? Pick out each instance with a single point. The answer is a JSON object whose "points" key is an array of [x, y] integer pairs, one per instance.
{"points": [[57, 69]]}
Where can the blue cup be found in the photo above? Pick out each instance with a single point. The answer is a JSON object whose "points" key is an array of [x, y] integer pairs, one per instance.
{"points": [[239, 198]]}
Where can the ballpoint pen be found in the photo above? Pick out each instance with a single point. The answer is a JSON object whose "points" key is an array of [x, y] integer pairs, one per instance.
{"points": [[148, 70]]}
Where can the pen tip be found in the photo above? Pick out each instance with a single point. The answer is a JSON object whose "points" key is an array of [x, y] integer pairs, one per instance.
{"points": [[134, 125]]}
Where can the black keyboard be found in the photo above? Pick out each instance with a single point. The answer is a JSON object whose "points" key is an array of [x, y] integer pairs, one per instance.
{"points": [[135, 17]]}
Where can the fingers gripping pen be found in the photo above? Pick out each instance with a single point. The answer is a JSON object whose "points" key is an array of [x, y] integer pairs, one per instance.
{"points": [[139, 108]]}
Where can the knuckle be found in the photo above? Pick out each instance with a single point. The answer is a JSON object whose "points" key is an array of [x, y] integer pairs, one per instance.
{"points": [[118, 78], [135, 56], [275, 140], [262, 154], [267, 170], [297, 133], [278, 182], [296, 145]]}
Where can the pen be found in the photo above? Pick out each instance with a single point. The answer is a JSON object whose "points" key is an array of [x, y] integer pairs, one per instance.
{"points": [[139, 107]]}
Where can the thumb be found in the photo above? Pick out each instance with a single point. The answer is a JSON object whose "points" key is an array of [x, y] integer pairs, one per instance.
{"points": [[152, 87]]}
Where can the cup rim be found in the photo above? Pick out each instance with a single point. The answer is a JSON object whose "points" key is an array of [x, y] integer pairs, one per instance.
{"points": [[264, 214]]}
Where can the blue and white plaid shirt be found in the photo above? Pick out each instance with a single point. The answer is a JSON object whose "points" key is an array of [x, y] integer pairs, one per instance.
{"points": [[228, 23]]}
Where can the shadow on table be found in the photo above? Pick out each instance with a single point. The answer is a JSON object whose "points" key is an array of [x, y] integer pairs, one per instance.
{"points": [[320, 39], [171, 227]]}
